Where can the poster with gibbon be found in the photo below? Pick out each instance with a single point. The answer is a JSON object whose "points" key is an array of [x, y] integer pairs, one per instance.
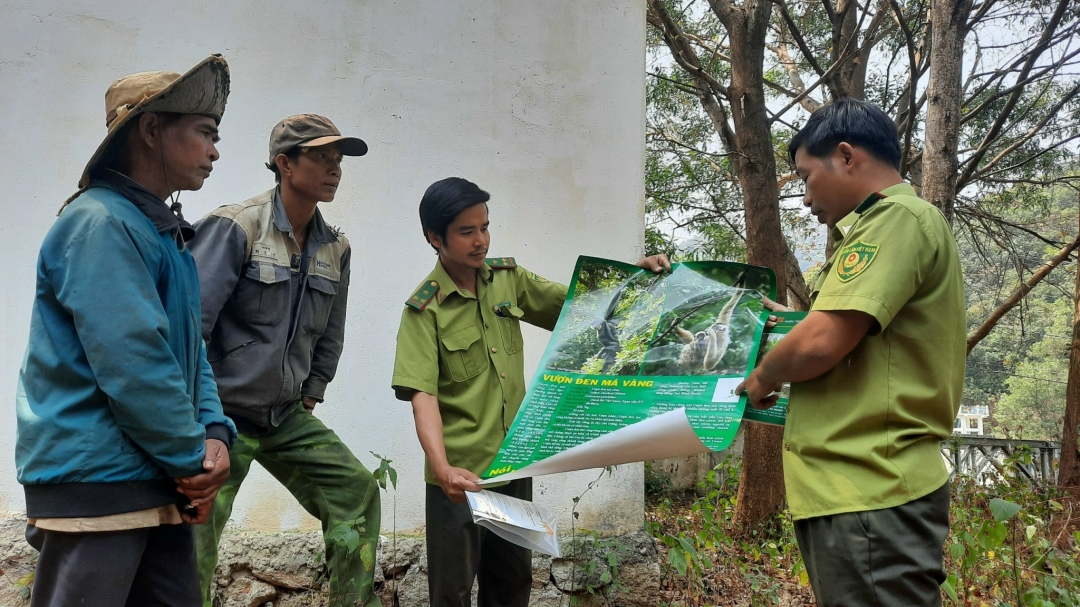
{"points": [[640, 366]]}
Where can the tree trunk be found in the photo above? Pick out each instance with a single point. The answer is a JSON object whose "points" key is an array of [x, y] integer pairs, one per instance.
{"points": [[761, 488], [1069, 470], [940, 164], [761, 485]]}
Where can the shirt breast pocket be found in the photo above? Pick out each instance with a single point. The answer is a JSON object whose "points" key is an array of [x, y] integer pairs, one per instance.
{"points": [[262, 294], [463, 352], [510, 328], [320, 299]]}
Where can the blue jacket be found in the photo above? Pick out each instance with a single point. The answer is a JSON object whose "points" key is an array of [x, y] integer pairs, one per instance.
{"points": [[115, 395]]}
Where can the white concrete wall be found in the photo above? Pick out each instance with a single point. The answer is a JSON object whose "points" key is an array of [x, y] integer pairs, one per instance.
{"points": [[541, 103]]}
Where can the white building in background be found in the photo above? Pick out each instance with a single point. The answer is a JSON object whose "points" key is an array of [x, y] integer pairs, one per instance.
{"points": [[541, 103], [969, 422]]}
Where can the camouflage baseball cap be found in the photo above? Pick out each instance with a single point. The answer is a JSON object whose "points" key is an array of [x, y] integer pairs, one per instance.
{"points": [[311, 130]]}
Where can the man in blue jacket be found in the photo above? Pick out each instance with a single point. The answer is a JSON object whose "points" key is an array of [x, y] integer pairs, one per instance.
{"points": [[121, 436]]}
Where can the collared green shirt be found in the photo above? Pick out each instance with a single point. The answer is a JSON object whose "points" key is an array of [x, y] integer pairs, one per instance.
{"points": [[866, 435], [466, 350]]}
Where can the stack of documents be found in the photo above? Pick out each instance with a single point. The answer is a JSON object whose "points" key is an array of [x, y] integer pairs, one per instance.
{"points": [[517, 521]]}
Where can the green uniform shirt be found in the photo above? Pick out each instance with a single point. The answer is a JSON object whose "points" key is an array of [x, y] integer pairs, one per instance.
{"points": [[466, 350], [866, 435]]}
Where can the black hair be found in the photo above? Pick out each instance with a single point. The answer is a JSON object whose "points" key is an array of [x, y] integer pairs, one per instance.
{"points": [[857, 122], [113, 156], [444, 200], [292, 154]]}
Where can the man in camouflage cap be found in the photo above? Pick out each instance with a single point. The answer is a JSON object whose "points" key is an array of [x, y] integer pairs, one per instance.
{"points": [[275, 281], [117, 406]]}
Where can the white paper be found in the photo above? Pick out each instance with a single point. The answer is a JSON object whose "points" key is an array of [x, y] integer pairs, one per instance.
{"points": [[518, 521], [664, 436]]}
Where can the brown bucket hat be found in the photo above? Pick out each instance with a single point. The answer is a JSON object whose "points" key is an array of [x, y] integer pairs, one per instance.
{"points": [[311, 130], [203, 90]]}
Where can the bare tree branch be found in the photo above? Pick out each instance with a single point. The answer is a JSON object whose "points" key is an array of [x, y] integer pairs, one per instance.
{"points": [[791, 68], [1015, 88], [980, 12], [972, 163], [1042, 152], [683, 52], [988, 218], [793, 28], [913, 79], [679, 85], [826, 77], [707, 86], [1017, 295], [1032, 133]]}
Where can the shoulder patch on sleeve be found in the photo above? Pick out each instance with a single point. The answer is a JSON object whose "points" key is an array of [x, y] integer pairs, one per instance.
{"points": [[423, 295], [534, 276], [854, 258], [501, 263]]}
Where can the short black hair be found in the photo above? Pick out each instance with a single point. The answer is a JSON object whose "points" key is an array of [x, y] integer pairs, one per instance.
{"points": [[857, 122], [292, 154], [444, 200]]}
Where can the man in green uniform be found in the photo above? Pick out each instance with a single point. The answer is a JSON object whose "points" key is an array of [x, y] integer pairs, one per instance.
{"points": [[460, 363], [877, 368], [275, 284]]}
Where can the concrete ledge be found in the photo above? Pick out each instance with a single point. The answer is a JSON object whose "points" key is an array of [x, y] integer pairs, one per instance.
{"points": [[285, 569]]}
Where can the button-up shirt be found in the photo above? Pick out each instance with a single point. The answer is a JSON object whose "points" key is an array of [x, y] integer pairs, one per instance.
{"points": [[866, 435], [466, 350]]}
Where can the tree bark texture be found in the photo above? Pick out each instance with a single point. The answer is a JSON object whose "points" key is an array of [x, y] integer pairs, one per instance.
{"points": [[940, 164], [850, 79], [761, 484], [1069, 470], [744, 129]]}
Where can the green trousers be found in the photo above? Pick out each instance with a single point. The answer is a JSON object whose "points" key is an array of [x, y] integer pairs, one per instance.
{"points": [[327, 480]]}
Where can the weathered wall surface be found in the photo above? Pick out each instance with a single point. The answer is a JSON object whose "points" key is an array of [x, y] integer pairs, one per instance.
{"points": [[541, 103], [285, 569]]}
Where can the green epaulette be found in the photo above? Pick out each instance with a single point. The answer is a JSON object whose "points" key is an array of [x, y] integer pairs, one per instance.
{"points": [[501, 263], [423, 295]]}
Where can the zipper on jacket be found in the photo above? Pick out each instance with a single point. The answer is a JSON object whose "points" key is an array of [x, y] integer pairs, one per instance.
{"points": [[236, 349]]}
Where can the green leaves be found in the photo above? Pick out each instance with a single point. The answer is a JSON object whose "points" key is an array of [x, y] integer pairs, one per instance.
{"points": [[351, 540], [677, 559], [1003, 510], [688, 547], [367, 556], [1001, 549], [25, 585], [385, 472], [949, 586], [957, 550], [993, 536], [347, 533]]}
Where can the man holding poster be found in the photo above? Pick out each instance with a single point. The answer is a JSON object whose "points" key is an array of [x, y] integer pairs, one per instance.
{"points": [[460, 362], [877, 368]]}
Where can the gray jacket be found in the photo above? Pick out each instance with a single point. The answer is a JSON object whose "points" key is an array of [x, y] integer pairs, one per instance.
{"points": [[273, 319]]}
